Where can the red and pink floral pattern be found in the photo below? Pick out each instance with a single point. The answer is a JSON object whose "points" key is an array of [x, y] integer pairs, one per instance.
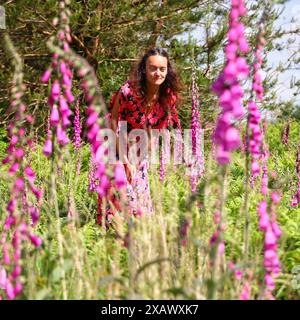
{"points": [[132, 111]]}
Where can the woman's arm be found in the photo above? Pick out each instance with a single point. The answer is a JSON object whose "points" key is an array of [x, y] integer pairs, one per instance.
{"points": [[115, 120], [129, 169], [115, 112]]}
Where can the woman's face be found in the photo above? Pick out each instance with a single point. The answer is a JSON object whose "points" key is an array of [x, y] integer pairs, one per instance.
{"points": [[156, 69]]}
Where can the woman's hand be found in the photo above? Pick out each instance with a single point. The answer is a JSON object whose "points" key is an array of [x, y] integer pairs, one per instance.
{"points": [[130, 171]]}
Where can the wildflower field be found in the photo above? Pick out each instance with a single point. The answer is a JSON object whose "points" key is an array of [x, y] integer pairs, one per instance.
{"points": [[229, 230], [81, 260]]}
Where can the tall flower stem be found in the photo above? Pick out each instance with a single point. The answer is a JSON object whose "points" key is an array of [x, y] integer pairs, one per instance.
{"points": [[253, 139], [212, 283], [54, 202], [22, 213], [58, 230], [227, 138], [246, 199]]}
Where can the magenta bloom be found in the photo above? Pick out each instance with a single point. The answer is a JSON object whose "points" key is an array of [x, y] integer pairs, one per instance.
{"points": [[120, 177], [223, 156], [296, 196], [197, 165], [47, 148], [63, 67], [63, 105], [55, 91], [35, 240], [77, 134], [62, 137], [269, 226], [15, 228], [46, 76], [69, 96], [255, 169], [232, 138], [10, 291], [92, 118], [54, 116], [103, 186], [227, 86], [245, 295], [14, 167]]}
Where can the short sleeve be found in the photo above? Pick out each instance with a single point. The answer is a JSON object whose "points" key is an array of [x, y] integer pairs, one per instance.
{"points": [[122, 94], [124, 91]]}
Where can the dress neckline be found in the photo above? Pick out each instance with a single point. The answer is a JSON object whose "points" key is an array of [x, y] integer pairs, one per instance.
{"points": [[152, 109]]}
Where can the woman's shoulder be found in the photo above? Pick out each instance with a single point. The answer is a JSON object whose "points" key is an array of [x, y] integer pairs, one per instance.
{"points": [[126, 94], [123, 91], [126, 87], [126, 91], [131, 91]]}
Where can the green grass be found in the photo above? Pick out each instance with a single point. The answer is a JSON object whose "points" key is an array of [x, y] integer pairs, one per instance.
{"points": [[80, 260]]}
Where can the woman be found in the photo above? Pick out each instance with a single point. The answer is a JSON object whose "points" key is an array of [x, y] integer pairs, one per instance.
{"points": [[146, 101]]}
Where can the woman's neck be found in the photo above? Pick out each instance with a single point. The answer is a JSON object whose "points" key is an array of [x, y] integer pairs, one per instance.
{"points": [[152, 91]]}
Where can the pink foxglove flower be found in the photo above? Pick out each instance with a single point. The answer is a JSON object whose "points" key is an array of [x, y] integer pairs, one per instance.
{"points": [[77, 134], [268, 224], [120, 177], [16, 229], [253, 122], [197, 165], [228, 88], [296, 196]]}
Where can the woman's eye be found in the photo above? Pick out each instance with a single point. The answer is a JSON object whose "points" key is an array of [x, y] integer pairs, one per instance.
{"points": [[154, 69]]}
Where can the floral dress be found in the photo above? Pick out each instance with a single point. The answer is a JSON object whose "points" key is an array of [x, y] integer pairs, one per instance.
{"points": [[133, 112]]}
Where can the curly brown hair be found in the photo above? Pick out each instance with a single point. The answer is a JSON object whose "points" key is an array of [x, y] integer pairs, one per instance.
{"points": [[169, 90]]}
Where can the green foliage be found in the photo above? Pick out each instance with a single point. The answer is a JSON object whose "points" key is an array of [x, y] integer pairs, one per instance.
{"points": [[3, 143], [112, 35], [83, 260], [80, 260]]}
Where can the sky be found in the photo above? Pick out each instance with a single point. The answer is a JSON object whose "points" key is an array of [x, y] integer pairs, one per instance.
{"points": [[291, 10]]}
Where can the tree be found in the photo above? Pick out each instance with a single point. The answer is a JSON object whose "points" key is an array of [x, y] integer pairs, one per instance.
{"points": [[111, 35]]}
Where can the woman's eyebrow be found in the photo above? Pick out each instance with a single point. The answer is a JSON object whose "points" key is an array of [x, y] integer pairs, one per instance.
{"points": [[152, 65]]}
